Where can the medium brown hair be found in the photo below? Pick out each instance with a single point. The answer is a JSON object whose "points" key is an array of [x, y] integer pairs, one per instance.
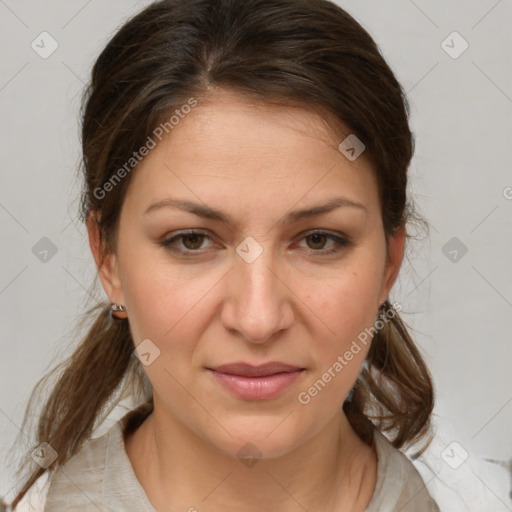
{"points": [[305, 53]]}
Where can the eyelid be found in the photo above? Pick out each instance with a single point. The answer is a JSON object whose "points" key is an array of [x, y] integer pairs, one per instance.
{"points": [[340, 239]]}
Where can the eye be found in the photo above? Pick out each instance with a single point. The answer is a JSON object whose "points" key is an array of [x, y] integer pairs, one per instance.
{"points": [[189, 242], [317, 240]]}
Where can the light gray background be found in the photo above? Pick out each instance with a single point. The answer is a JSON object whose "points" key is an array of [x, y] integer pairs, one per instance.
{"points": [[460, 311]]}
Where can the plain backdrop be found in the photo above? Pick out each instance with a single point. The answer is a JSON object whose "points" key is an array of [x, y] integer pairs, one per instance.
{"points": [[455, 286]]}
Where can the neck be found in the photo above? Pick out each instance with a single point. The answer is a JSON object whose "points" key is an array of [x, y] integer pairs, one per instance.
{"points": [[182, 471]]}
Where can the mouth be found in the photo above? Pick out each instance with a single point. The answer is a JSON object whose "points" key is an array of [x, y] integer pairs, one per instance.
{"points": [[262, 382], [263, 370]]}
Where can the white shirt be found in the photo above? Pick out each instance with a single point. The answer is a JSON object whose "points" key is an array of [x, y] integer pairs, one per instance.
{"points": [[100, 478]]}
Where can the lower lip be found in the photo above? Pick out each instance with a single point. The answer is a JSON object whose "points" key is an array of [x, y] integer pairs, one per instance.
{"points": [[257, 388]]}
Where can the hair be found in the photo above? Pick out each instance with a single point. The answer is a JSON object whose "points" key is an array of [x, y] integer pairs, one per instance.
{"points": [[299, 53]]}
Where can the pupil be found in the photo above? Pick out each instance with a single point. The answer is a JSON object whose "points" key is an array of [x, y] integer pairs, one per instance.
{"points": [[316, 238], [193, 238]]}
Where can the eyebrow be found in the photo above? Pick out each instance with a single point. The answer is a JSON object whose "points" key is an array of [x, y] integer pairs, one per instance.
{"points": [[201, 210]]}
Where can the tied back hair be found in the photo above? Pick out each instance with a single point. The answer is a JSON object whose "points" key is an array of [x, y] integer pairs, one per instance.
{"points": [[303, 53]]}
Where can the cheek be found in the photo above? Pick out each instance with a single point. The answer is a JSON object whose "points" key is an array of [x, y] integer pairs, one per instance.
{"points": [[163, 303], [345, 304], [168, 303], [346, 315], [173, 311]]}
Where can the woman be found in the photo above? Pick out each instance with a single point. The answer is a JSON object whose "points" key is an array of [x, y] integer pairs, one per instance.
{"points": [[245, 167]]}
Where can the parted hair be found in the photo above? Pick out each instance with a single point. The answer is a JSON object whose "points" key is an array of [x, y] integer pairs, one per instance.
{"points": [[304, 53]]}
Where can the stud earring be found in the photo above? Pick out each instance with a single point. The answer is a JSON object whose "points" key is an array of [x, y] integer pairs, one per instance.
{"points": [[118, 308]]}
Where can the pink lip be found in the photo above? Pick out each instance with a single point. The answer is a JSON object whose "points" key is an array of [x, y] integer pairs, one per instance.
{"points": [[256, 382]]}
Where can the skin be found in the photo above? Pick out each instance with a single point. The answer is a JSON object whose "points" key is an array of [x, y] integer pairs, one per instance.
{"points": [[254, 162]]}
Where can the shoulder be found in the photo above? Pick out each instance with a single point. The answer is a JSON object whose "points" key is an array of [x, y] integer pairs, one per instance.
{"points": [[78, 485], [399, 485], [99, 476]]}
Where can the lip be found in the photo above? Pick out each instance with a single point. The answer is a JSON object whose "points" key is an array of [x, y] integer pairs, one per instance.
{"points": [[261, 382], [248, 370]]}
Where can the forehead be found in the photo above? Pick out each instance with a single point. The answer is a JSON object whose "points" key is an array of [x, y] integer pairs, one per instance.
{"points": [[231, 150]]}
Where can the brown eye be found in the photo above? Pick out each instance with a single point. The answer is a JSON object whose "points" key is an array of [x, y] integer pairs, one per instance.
{"points": [[186, 243], [192, 243], [316, 242], [195, 239]]}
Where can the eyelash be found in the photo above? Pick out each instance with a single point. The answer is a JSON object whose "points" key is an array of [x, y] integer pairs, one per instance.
{"points": [[170, 243]]}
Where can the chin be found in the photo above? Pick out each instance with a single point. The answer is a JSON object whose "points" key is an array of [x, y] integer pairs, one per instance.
{"points": [[268, 438]]}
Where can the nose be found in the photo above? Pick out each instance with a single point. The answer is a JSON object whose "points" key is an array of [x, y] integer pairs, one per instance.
{"points": [[259, 302]]}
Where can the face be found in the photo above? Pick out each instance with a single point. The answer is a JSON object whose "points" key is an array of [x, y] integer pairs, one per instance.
{"points": [[257, 281]]}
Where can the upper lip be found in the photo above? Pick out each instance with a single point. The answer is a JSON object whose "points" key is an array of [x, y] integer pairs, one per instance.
{"points": [[248, 370]]}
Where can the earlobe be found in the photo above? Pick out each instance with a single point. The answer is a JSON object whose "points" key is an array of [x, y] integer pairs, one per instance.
{"points": [[106, 264]]}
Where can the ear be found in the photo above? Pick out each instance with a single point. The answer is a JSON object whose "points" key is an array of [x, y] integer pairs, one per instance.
{"points": [[396, 245], [108, 269]]}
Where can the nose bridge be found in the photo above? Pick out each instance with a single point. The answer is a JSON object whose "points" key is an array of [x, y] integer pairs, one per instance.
{"points": [[261, 306], [258, 279]]}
